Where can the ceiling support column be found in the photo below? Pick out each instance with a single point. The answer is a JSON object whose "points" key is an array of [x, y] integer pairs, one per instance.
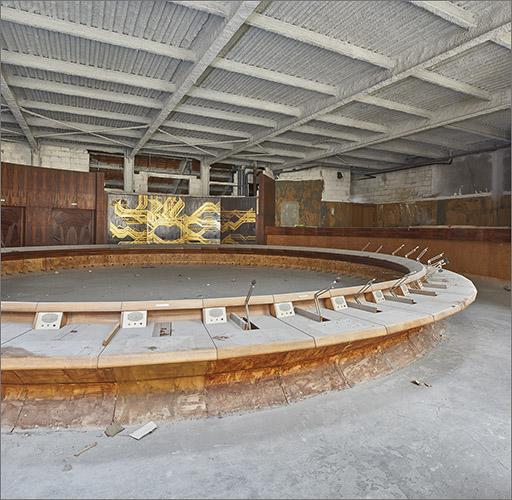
{"points": [[128, 171], [205, 179]]}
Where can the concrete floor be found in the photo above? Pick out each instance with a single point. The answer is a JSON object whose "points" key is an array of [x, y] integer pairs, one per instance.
{"points": [[386, 438], [162, 282]]}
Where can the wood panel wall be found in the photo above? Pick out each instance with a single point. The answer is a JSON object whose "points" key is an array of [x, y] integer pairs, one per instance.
{"points": [[266, 206], [44, 206], [471, 250]]}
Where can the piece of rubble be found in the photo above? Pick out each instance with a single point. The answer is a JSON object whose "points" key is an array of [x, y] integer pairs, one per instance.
{"points": [[88, 447], [113, 429], [143, 431]]}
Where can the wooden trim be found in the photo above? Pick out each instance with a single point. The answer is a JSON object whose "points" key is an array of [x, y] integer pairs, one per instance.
{"points": [[463, 233]]}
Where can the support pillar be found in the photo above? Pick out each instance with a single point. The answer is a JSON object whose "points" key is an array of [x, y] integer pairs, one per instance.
{"points": [[35, 157], [498, 165], [205, 179], [128, 180]]}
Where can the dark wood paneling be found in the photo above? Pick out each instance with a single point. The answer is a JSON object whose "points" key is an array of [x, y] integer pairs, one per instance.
{"points": [[72, 227], [14, 182], [47, 197], [101, 210], [12, 226], [37, 226], [265, 207]]}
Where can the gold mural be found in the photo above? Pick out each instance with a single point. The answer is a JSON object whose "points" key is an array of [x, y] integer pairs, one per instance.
{"points": [[232, 220], [168, 213], [139, 219], [128, 221]]}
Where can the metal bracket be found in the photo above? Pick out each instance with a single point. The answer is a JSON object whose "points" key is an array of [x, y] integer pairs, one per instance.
{"points": [[363, 307], [309, 314]]}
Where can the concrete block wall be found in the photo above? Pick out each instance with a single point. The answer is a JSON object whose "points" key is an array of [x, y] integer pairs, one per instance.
{"points": [[467, 175], [16, 152], [64, 158], [50, 156], [395, 186]]}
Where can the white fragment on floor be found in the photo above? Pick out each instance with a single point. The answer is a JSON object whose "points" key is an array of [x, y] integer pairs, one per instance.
{"points": [[143, 431]]}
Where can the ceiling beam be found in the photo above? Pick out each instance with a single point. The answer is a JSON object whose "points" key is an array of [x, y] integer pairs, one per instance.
{"points": [[85, 128], [73, 110], [351, 123], [15, 109], [421, 58], [503, 39], [225, 115], [446, 116], [96, 34], [451, 84], [204, 128], [79, 91], [296, 142], [482, 130], [105, 36], [216, 8], [345, 136], [294, 32], [449, 12], [104, 95], [273, 76], [127, 118], [346, 161], [84, 71], [411, 148], [393, 106], [211, 49], [379, 155], [246, 102], [263, 158], [446, 142]]}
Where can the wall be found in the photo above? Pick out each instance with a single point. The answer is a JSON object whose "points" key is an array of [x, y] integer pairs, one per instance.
{"points": [[50, 156], [471, 174], [470, 250], [16, 152], [395, 186], [334, 188], [474, 190], [64, 158], [44, 206]]}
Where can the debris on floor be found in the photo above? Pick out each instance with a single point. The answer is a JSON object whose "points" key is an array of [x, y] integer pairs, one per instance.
{"points": [[143, 431], [88, 447], [113, 429], [417, 382]]}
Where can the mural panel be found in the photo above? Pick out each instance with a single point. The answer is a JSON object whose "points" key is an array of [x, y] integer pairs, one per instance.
{"points": [[127, 216], [238, 220], [180, 219]]}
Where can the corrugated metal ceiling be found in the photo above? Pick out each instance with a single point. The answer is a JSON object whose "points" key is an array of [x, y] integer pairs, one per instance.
{"points": [[396, 29]]}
